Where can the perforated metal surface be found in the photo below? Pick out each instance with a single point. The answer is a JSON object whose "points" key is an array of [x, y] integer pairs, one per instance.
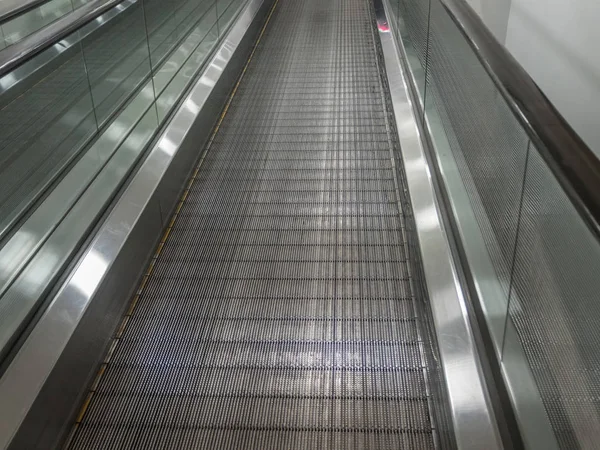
{"points": [[279, 313], [554, 307]]}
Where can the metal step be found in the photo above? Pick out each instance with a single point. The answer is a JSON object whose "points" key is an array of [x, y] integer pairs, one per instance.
{"points": [[279, 313]]}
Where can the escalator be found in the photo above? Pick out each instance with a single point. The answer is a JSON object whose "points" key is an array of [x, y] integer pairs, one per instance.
{"points": [[279, 310], [290, 224]]}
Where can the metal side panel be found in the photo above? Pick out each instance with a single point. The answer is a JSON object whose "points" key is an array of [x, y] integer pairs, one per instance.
{"points": [[471, 414], [42, 388], [524, 394]]}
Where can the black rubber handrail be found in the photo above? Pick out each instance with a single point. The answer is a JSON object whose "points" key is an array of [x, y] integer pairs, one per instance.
{"points": [[21, 52], [10, 9], [572, 162]]}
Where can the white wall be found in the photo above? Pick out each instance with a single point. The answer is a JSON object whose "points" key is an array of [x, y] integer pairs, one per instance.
{"points": [[558, 43], [495, 15]]}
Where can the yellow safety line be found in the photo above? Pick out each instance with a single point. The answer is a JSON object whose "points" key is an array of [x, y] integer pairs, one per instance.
{"points": [[110, 352], [88, 399], [162, 242], [98, 376]]}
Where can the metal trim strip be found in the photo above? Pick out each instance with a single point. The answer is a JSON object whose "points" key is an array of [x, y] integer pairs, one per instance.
{"points": [[472, 416]]}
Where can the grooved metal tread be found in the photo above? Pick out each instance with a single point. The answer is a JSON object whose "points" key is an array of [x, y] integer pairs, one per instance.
{"points": [[279, 313]]}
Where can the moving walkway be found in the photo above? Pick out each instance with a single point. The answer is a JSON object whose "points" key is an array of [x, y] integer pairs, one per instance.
{"points": [[284, 224]]}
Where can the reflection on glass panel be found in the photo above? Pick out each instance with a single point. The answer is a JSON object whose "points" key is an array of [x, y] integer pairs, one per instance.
{"points": [[192, 11], [25, 24], [55, 9], [486, 140], [227, 10], [79, 3], [394, 9], [179, 57], [173, 90], [117, 60], [133, 146], [412, 24], [161, 22], [45, 118], [555, 306]]}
